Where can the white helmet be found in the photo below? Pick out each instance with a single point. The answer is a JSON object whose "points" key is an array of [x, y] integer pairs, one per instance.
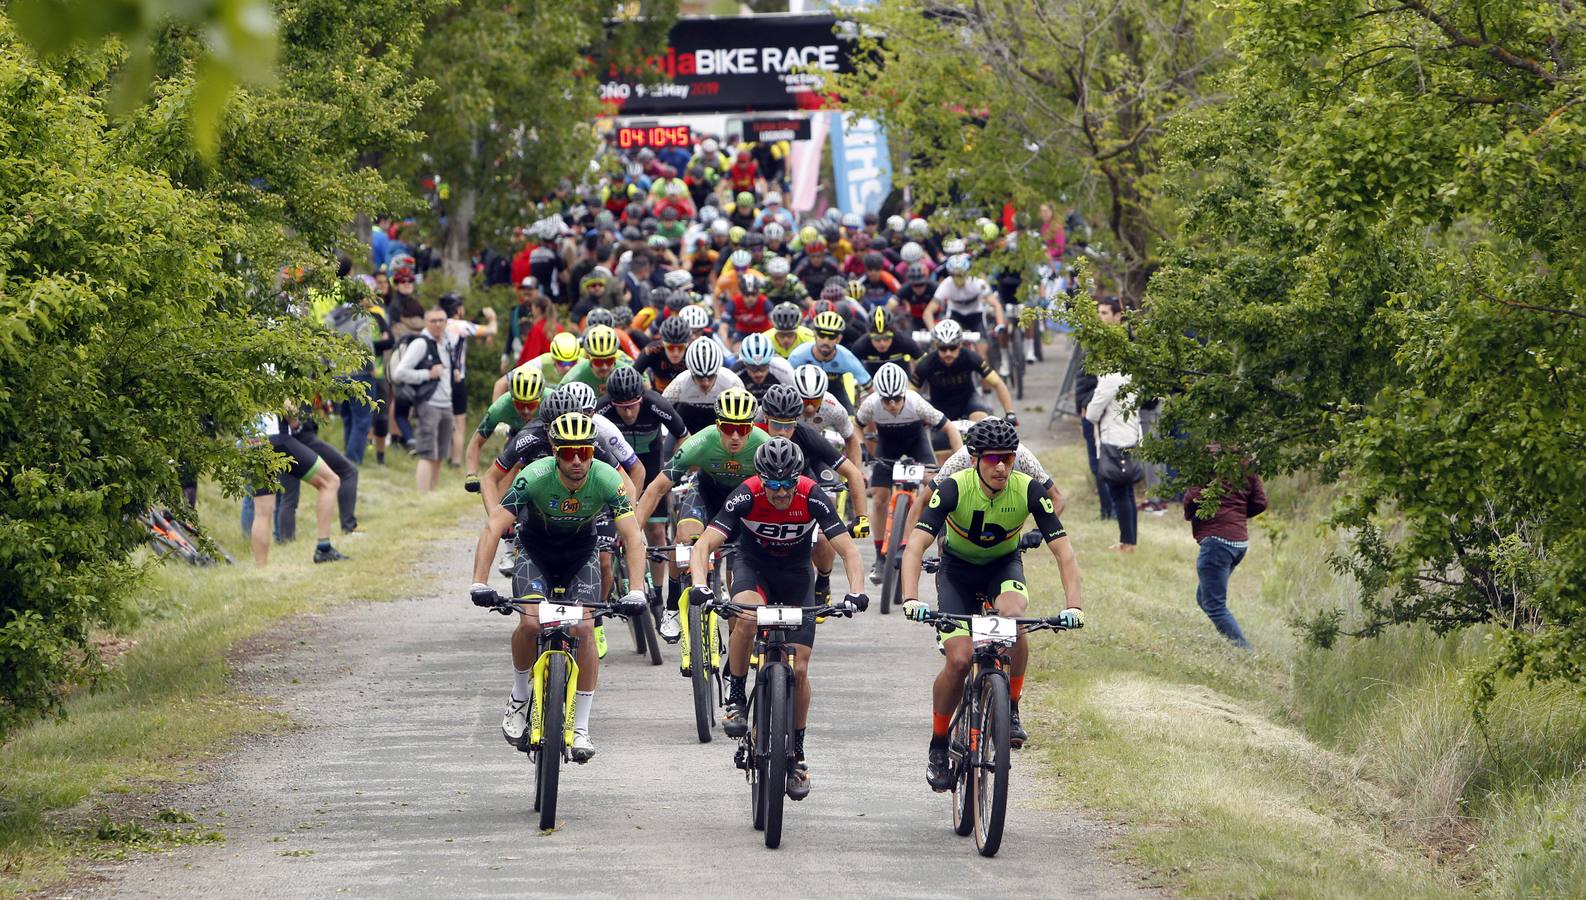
{"points": [[958, 264], [810, 381], [948, 333], [954, 246], [707, 215], [756, 350], [895, 223], [919, 228], [583, 394], [912, 252], [678, 279], [720, 227], [777, 265], [853, 220], [890, 381], [708, 145], [695, 316], [675, 188], [774, 232], [703, 358], [741, 259]]}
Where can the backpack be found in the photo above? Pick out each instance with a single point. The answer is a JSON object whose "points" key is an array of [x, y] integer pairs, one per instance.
{"points": [[420, 394]]}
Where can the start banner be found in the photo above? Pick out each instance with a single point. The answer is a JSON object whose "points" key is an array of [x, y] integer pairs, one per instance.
{"points": [[732, 64]]}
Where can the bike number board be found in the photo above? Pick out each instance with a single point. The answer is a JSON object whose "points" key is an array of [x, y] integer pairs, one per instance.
{"points": [[902, 472], [993, 630], [779, 617], [552, 614], [682, 552]]}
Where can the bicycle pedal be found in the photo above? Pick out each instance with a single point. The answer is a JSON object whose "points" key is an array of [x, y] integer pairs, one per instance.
{"points": [[740, 759]]}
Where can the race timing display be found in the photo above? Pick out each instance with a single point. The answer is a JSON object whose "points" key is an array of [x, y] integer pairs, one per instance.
{"points": [[656, 137]]}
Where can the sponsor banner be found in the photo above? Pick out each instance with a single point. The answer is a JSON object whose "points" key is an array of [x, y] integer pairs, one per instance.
{"points": [[861, 163], [776, 130], [731, 64], [806, 167]]}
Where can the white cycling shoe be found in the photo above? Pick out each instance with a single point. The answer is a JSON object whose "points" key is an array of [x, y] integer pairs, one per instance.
{"points": [[515, 721], [583, 747], [671, 627]]}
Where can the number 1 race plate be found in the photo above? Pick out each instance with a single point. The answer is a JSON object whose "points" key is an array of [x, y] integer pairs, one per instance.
{"points": [[993, 630], [779, 617], [559, 613]]}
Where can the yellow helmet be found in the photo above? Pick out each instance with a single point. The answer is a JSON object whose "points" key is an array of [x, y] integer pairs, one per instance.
{"points": [[736, 405], [600, 341], [564, 348], [880, 322], [572, 428], [856, 289], [527, 383], [829, 322]]}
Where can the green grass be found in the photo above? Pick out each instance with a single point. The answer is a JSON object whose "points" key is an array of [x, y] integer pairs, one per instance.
{"points": [[85, 785]]}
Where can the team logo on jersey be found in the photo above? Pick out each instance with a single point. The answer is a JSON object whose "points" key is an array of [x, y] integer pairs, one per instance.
{"points": [[1046, 503], [570, 505], [936, 499], [732, 466]]}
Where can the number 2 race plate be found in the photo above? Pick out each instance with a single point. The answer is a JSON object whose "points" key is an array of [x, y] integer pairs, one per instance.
{"points": [[993, 630]]}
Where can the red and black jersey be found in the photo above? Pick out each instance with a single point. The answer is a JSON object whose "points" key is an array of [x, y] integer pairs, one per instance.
{"points": [[765, 532]]}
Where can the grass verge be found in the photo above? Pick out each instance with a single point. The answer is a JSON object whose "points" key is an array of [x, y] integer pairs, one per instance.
{"points": [[85, 786]]}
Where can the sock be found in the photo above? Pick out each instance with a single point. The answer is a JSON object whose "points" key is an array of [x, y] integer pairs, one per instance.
{"points": [[379, 457], [878, 542], [735, 684], [1015, 687], [939, 723], [520, 684], [582, 701], [323, 545], [674, 590], [798, 744]]}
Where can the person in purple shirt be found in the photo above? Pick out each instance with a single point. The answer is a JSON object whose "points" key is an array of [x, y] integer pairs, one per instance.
{"points": [[1224, 539]]}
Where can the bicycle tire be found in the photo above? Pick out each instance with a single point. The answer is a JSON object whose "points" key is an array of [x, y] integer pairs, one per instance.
{"points": [[1016, 361], [778, 739], [756, 776], [699, 672], [991, 776], [552, 740], [645, 622], [963, 794], [891, 568]]}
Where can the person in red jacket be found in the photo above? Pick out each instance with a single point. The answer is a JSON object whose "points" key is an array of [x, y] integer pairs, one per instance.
{"points": [[1224, 540], [744, 173]]}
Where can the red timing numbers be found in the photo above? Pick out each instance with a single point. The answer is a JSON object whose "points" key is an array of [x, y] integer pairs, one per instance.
{"points": [[655, 137]]}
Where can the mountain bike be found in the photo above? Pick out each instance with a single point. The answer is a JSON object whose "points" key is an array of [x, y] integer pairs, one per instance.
{"points": [[978, 747], [554, 681], [700, 645], [766, 752], [170, 536], [646, 637], [908, 475]]}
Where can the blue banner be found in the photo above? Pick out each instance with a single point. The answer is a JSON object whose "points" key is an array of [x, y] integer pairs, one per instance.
{"points": [[861, 163]]}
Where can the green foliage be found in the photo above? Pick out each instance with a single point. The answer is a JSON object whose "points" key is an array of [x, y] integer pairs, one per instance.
{"points": [[1379, 278]]}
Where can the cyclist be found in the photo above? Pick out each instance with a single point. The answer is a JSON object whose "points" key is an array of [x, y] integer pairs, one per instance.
{"points": [[885, 344], [903, 421], [662, 359], [641, 415], [723, 454], [916, 294], [826, 353], [746, 310], [816, 266], [949, 373], [781, 287], [822, 411], [787, 331], [554, 364], [532, 442], [552, 508], [771, 516], [979, 513], [602, 356], [695, 396], [759, 367], [1024, 461], [514, 409], [965, 300]]}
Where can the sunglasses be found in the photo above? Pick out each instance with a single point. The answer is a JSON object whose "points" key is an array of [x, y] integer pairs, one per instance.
{"points": [[828, 335], [677, 346], [527, 409], [893, 401], [602, 362], [813, 404], [782, 423], [734, 429], [999, 459], [569, 454], [786, 484], [949, 349]]}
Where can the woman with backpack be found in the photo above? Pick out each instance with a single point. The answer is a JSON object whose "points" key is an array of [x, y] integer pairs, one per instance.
{"points": [[1117, 446]]}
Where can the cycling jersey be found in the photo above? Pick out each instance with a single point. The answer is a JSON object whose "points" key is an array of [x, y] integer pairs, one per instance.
{"points": [[952, 385], [831, 414], [553, 520], [548, 370], [532, 443], [696, 405], [981, 528], [800, 336], [719, 471], [780, 372], [770, 534], [655, 413], [584, 373], [916, 302], [1024, 461], [899, 433], [902, 351], [654, 361], [843, 362], [501, 411], [748, 316], [791, 290], [963, 300]]}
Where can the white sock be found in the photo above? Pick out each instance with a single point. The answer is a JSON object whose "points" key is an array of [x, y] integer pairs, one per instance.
{"points": [[520, 684], [582, 701]]}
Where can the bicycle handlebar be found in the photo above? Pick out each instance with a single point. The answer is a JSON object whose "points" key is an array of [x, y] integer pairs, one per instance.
{"points": [[941, 621], [844, 609], [509, 605]]}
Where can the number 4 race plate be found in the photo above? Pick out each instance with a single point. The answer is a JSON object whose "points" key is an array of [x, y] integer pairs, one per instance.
{"points": [[992, 630], [779, 617], [559, 613]]}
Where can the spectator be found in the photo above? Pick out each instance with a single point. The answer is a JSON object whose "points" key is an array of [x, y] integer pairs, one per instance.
{"points": [[361, 320], [344, 486], [1052, 235], [1118, 441], [1224, 539], [426, 365], [519, 321], [304, 465], [458, 331], [1084, 389], [547, 325], [380, 242]]}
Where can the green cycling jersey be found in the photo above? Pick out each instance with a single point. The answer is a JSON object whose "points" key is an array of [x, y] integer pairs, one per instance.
{"points": [[982, 528], [585, 372], [503, 410], [550, 515], [718, 468]]}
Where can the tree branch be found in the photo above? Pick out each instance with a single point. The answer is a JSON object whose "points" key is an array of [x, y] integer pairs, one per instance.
{"points": [[1496, 51]]}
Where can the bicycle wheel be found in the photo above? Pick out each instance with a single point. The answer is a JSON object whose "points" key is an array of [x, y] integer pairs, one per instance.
{"points": [[891, 572], [991, 776], [551, 741], [778, 741], [645, 624], [1016, 361], [754, 741], [699, 672], [963, 751]]}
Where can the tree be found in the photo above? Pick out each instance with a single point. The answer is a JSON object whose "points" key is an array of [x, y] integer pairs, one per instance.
{"points": [[1028, 100], [1380, 278]]}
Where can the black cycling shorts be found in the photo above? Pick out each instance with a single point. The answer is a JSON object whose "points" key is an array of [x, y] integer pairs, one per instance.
{"points": [[459, 399], [970, 321], [305, 462], [889, 452], [957, 408], [957, 582], [788, 582], [577, 572]]}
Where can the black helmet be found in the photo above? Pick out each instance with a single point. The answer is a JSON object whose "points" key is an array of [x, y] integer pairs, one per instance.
{"points": [[782, 401], [599, 316], [559, 403], [675, 331], [874, 261], [625, 384], [779, 458], [916, 274], [991, 434], [678, 300], [785, 316]]}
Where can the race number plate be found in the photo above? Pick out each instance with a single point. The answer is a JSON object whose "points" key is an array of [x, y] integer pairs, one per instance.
{"points": [[914, 473], [993, 630], [682, 552], [972, 336], [559, 613], [778, 617]]}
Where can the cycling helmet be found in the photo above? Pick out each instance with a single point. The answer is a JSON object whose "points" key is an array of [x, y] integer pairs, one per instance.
{"points": [[703, 358], [661, 241], [720, 227], [621, 317], [782, 401], [808, 235], [810, 380], [829, 323], [853, 220], [744, 198], [559, 403], [785, 317], [880, 321], [958, 264], [774, 232], [708, 215], [948, 333], [527, 383], [911, 253], [695, 316], [916, 274], [895, 223], [752, 284], [833, 215], [823, 306], [952, 247], [856, 289], [756, 350], [597, 317], [631, 233], [874, 261], [709, 147], [735, 233], [679, 301], [600, 342], [991, 434], [835, 288], [678, 280], [777, 265], [989, 230], [564, 347], [572, 428], [890, 382], [919, 229], [675, 331], [625, 384], [736, 405], [741, 259], [581, 394], [754, 240], [818, 245], [779, 459]]}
